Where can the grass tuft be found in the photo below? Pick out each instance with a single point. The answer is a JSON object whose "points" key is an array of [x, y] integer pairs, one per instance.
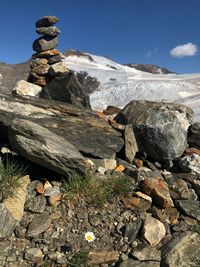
{"points": [[80, 259], [10, 174], [95, 190]]}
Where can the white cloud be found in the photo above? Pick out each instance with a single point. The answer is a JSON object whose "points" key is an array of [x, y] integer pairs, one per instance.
{"points": [[151, 53], [184, 50]]}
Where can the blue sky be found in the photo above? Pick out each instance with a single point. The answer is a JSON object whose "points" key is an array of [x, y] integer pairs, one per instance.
{"points": [[127, 31]]}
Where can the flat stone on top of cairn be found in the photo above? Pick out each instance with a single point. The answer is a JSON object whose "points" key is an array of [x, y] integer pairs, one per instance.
{"points": [[46, 21]]}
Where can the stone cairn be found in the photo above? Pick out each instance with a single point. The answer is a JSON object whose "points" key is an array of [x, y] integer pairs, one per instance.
{"points": [[47, 60]]}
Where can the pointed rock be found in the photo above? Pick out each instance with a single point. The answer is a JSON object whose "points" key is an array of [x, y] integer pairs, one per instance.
{"points": [[153, 230]]}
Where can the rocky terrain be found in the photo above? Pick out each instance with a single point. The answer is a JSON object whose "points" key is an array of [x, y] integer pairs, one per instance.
{"points": [[151, 68], [11, 73], [79, 187]]}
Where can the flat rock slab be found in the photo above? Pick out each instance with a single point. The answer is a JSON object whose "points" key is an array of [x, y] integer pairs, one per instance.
{"points": [[182, 250], [190, 208], [160, 128], [38, 225], [7, 222], [46, 21], [45, 148], [144, 252], [91, 135]]}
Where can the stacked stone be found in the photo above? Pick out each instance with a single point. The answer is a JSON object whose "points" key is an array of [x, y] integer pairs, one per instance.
{"points": [[46, 56]]}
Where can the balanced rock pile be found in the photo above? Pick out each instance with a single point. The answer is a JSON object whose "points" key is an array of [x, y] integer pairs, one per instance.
{"points": [[47, 59]]}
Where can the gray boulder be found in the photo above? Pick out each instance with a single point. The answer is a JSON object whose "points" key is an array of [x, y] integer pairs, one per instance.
{"points": [[45, 148], [182, 250], [45, 43], [66, 88], [91, 135], [160, 128]]}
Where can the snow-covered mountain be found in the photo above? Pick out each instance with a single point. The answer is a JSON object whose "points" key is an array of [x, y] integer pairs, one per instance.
{"points": [[120, 84]]}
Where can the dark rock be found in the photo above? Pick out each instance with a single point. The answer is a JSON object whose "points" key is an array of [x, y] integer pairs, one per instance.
{"points": [[130, 170], [51, 31], [54, 59], [45, 43], [38, 225], [132, 229], [194, 135], [7, 222], [46, 21], [190, 163], [91, 135], [160, 128], [36, 79], [45, 148], [66, 88], [90, 84], [151, 68], [190, 208], [110, 110], [182, 250], [36, 204]]}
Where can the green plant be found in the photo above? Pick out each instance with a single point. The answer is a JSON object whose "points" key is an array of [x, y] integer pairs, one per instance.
{"points": [[80, 259], [196, 263], [95, 190], [10, 174]]}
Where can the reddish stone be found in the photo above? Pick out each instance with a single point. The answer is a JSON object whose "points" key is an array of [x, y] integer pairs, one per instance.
{"points": [[159, 191], [192, 150]]}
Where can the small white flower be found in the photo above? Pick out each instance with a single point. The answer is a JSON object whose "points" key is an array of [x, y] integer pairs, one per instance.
{"points": [[90, 237]]}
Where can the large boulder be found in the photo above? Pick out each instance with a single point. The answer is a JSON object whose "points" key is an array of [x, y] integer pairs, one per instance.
{"points": [[66, 88], [160, 128], [45, 148], [91, 135]]}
